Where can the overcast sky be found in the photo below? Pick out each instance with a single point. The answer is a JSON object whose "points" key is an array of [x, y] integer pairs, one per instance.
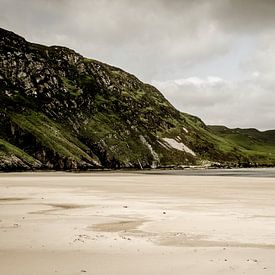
{"points": [[211, 58]]}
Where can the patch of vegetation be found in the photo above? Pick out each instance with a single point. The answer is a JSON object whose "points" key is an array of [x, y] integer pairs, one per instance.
{"points": [[71, 88], [51, 135], [255, 145], [7, 149]]}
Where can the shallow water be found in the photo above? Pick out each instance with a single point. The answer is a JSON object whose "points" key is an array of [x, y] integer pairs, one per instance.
{"points": [[241, 172], [238, 172]]}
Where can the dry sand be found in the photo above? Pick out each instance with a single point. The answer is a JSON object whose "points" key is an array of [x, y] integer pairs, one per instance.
{"points": [[106, 223]]}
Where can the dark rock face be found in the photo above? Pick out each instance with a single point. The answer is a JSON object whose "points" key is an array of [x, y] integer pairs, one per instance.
{"points": [[62, 111]]}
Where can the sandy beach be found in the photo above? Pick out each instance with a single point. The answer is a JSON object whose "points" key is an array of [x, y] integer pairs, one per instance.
{"points": [[127, 223]]}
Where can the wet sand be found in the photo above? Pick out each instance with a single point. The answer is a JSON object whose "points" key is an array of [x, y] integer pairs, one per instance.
{"points": [[128, 223]]}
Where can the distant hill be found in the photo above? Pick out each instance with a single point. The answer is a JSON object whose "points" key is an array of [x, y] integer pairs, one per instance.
{"points": [[254, 143], [60, 110]]}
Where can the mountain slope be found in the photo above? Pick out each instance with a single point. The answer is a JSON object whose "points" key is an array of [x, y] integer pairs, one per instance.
{"points": [[60, 110], [259, 146]]}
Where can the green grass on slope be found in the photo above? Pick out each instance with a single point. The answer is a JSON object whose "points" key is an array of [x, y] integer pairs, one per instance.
{"points": [[7, 149], [108, 130], [257, 146], [207, 144], [51, 135], [200, 129]]}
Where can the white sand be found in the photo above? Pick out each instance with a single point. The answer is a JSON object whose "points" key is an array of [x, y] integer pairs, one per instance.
{"points": [[58, 223]]}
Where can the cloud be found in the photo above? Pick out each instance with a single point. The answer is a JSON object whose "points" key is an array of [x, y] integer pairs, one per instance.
{"points": [[245, 103], [248, 16], [154, 39], [129, 34]]}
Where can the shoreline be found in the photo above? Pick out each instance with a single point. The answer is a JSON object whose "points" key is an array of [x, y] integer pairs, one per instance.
{"points": [[191, 171], [163, 168]]}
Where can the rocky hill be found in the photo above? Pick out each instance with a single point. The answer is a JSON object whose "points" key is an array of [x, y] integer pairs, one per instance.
{"points": [[60, 110]]}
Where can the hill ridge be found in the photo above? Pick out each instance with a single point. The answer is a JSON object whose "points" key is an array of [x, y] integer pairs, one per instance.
{"points": [[60, 110]]}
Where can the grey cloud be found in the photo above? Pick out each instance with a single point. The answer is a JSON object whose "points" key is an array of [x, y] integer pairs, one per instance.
{"points": [[235, 104], [245, 15], [171, 35]]}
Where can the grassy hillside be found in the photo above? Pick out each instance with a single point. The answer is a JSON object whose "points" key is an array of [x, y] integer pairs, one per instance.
{"points": [[13, 158], [60, 110], [258, 146]]}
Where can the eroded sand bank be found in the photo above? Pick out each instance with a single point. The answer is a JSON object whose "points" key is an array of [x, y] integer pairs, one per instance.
{"points": [[58, 223]]}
